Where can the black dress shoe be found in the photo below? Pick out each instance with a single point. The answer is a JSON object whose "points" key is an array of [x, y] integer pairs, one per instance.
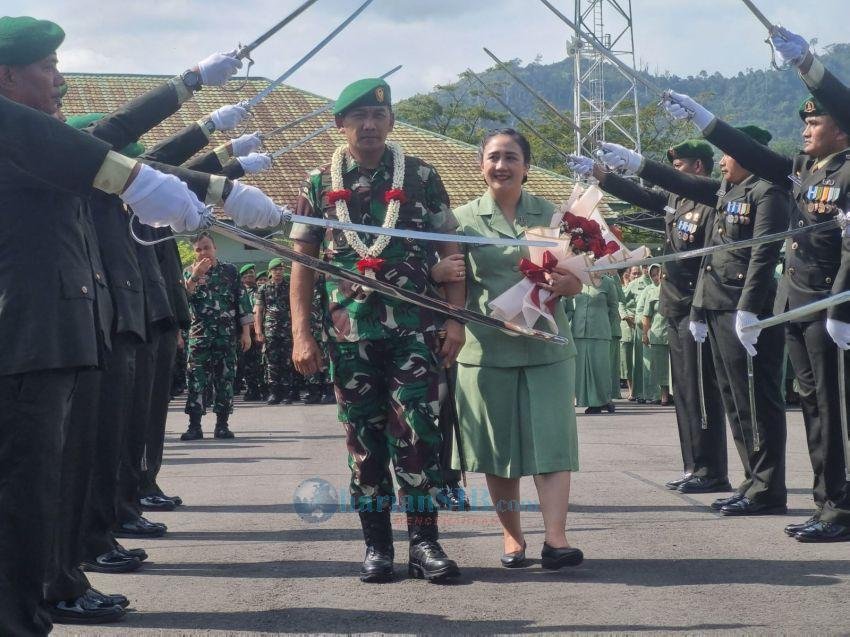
{"points": [[192, 433], [140, 528], [107, 600], [157, 503], [641, 401], [84, 610], [822, 531], [313, 398], [745, 506], [593, 410], [553, 558], [792, 529], [674, 484], [514, 559], [705, 485], [112, 562], [610, 408], [224, 433], [139, 554], [719, 503]]}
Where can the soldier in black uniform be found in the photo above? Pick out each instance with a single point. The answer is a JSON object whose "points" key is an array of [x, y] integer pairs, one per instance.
{"points": [[819, 180], [733, 284], [703, 444]]}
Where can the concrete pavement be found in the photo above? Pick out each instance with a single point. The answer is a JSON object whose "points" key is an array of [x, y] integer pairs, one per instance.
{"points": [[238, 559]]}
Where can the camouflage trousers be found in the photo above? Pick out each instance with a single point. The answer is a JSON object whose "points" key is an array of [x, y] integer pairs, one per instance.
{"points": [[387, 393], [251, 368], [320, 378], [210, 366], [277, 356]]}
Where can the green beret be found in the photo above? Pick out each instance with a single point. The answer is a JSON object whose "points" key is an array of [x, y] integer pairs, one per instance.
{"points": [[24, 40], [691, 149], [811, 107], [246, 268], [133, 149], [759, 134], [275, 263], [262, 273], [372, 91]]}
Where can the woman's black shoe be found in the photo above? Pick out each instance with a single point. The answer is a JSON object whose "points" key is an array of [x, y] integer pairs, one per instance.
{"points": [[514, 559], [554, 559], [593, 410], [610, 408]]}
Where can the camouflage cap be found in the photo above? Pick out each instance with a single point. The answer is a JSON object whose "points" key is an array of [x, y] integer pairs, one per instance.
{"points": [[371, 91], [246, 268], [133, 149], [277, 262], [759, 134], [691, 149], [24, 40]]}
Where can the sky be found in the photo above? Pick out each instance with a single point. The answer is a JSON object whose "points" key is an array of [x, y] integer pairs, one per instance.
{"points": [[435, 40]]}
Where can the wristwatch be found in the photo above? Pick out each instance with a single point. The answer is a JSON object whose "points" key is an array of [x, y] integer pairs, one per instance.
{"points": [[192, 80], [208, 125]]}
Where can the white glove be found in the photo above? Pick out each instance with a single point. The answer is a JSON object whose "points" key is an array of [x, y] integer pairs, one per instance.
{"points": [[699, 331], [217, 68], [250, 207], [844, 223], [244, 144], [619, 157], [750, 337], [582, 166], [840, 332], [228, 117], [255, 162], [790, 47], [681, 106], [163, 200]]}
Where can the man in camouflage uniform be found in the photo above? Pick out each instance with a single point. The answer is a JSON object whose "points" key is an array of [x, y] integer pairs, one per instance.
{"points": [[274, 330], [220, 312], [250, 367], [382, 351], [317, 382]]}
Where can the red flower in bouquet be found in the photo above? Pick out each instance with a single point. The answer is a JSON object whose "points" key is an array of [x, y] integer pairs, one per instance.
{"points": [[339, 195]]}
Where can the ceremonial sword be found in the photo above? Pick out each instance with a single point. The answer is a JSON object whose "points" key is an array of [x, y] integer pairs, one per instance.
{"points": [[244, 51], [387, 289], [801, 312], [700, 380], [751, 393], [732, 245], [772, 29], [842, 397]]}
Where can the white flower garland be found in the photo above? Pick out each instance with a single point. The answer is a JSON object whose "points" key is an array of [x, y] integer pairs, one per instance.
{"points": [[338, 162]]}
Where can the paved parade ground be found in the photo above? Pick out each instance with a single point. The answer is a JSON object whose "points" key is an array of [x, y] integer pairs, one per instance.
{"points": [[239, 559]]}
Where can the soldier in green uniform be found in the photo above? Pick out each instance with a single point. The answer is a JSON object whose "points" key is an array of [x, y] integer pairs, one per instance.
{"points": [[220, 314], [317, 383], [382, 351], [262, 278], [273, 327], [250, 366]]}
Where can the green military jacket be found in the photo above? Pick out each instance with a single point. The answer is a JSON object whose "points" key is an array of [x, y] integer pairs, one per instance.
{"points": [[649, 301], [490, 271], [273, 300], [219, 305], [596, 311]]}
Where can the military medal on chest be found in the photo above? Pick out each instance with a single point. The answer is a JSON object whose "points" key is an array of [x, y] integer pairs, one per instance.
{"points": [[687, 226], [738, 212], [822, 198]]}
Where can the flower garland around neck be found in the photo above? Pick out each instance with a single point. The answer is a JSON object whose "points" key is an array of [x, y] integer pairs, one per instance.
{"points": [[370, 261]]}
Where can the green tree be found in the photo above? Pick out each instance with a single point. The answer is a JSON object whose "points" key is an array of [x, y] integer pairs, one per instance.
{"points": [[187, 255]]}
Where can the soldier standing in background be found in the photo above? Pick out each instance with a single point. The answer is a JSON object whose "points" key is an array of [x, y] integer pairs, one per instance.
{"points": [[250, 366], [273, 327]]}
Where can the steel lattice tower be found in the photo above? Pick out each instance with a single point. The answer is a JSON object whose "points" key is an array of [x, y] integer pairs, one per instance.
{"points": [[610, 22]]}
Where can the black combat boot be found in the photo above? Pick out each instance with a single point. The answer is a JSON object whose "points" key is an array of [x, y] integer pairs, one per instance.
{"points": [[378, 534], [194, 431], [314, 395], [275, 396], [221, 428], [427, 559]]}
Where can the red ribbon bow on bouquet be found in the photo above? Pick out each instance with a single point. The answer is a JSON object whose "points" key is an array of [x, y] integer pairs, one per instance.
{"points": [[537, 274]]}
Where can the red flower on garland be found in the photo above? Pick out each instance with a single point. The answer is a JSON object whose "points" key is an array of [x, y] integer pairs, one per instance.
{"points": [[370, 263], [339, 195], [395, 193]]}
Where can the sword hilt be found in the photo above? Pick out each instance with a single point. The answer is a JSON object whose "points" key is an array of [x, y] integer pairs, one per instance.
{"points": [[242, 53]]}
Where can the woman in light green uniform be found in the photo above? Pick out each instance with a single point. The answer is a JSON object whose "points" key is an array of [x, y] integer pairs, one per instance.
{"points": [[656, 353], [616, 340], [633, 294], [514, 394], [595, 311], [627, 337]]}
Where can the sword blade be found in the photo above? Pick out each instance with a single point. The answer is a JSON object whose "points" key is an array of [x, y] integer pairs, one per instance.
{"points": [[733, 245], [751, 393], [259, 97], [245, 51], [801, 312], [301, 141], [518, 118], [596, 44], [700, 380], [842, 410], [387, 289], [760, 16], [415, 234]]}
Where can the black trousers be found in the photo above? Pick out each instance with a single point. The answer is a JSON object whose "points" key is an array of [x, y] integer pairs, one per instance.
{"points": [[66, 580], [133, 450], [113, 415], [33, 408], [814, 357], [164, 358], [703, 450], [764, 468]]}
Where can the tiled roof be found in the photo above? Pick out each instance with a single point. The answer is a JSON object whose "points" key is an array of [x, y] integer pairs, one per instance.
{"points": [[455, 161]]}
